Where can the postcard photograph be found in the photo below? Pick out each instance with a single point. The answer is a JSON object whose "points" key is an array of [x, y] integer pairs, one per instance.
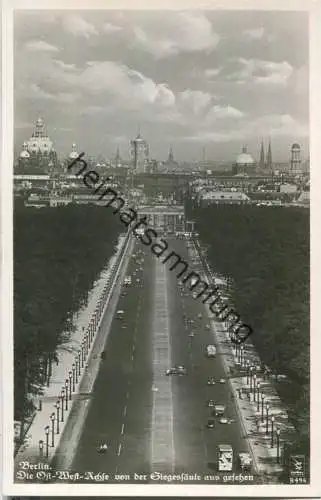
{"points": [[161, 251]]}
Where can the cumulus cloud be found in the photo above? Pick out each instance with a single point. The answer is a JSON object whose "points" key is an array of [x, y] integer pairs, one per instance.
{"points": [[40, 46], [257, 72], [202, 95], [212, 72], [255, 33], [36, 92], [184, 32], [111, 28], [64, 66], [77, 26]]}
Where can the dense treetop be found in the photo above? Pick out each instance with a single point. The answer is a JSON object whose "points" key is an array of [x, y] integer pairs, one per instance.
{"points": [[58, 255], [265, 253]]}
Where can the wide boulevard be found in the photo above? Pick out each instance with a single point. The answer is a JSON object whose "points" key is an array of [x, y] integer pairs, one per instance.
{"points": [[152, 422]]}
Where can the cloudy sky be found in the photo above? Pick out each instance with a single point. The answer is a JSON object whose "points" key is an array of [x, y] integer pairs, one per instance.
{"points": [[192, 79]]}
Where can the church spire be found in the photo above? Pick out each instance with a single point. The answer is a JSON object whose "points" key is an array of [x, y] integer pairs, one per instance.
{"points": [[171, 154], [269, 156], [262, 156]]}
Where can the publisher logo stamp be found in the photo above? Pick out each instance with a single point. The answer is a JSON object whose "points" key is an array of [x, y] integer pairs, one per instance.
{"points": [[297, 466]]}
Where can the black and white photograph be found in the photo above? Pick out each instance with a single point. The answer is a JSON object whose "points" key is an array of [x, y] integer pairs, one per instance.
{"points": [[160, 276]]}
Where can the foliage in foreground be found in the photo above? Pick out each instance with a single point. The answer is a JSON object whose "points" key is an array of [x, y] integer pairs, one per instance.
{"points": [[58, 255], [265, 253]]}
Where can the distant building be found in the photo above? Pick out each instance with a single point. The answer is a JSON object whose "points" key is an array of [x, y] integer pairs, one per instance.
{"points": [[262, 159], [170, 165], [139, 154], [288, 188], [37, 155], [295, 160], [117, 162], [245, 163], [269, 163], [224, 197]]}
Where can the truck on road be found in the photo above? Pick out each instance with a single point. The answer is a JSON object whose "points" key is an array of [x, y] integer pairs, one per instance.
{"points": [[210, 351], [225, 457], [219, 410], [245, 462]]}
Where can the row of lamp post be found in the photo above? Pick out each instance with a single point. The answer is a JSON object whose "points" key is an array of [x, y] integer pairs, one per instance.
{"points": [[258, 396], [63, 402], [262, 406]]}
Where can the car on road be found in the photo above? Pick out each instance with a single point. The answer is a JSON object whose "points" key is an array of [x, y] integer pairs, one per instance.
{"points": [[223, 420], [120, 314], [211, 381], [191, 334], [102, 448], [219, 410], [211, 403], [176, 370], [222, 380], [210, 423]]}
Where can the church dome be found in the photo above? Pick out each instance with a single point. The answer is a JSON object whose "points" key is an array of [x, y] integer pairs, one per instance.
{"points": [[24, 153], [39, 142], [245, 158], [295, 146], [139, 138], [73, 154]]}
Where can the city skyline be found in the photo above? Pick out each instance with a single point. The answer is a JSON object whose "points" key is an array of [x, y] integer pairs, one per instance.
{"points": [[190, 80]]}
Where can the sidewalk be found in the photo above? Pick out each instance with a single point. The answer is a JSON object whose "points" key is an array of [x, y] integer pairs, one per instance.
{"points": [[256, 429], [54, 406]]}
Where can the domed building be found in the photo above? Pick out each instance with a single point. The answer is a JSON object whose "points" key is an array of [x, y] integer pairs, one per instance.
{"points": [[24, 155], [73, 153], [245, 163], [39, 142], [37, 154]]}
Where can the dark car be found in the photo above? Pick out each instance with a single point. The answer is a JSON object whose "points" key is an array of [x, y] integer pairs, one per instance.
{"points": [[210, 423]]}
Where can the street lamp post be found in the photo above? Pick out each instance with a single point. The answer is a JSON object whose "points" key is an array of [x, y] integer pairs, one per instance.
{"points": [[62, 403], [262, 415], [254, 386], [267, 418], [52, 418], [47, 440], [251, 369], [76, 368], [70, 385], [58, 415], [247, 372], [82, 354], [272, 431], [66, 388], [278, 445], [258, 396], [41, 447], [79, 356], [73, 376], [242, 355]]}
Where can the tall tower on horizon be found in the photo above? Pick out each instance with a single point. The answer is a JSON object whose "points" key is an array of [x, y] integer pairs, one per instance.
{"points": [[170, 154], [262, 162], [139, 154], [269, 157]]}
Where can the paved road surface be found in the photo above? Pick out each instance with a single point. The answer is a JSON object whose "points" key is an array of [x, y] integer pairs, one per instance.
{"points": [[152, 422]]}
